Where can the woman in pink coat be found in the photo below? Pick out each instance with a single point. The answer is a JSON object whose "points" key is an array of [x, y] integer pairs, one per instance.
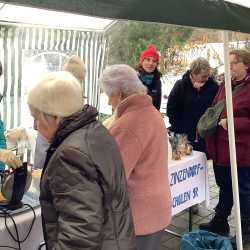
{"points": [[142, 138]]}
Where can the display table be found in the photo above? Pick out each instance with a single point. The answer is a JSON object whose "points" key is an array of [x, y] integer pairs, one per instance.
{"points": [[23, 220], [188, 179]]}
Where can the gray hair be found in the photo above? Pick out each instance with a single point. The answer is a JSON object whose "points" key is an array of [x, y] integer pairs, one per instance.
{"points": [[242, 55], [200, 64], [47, 117], [121, 79]]}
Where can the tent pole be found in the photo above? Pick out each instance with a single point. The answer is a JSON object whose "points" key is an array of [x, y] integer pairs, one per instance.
{"points": [[231, 136]]}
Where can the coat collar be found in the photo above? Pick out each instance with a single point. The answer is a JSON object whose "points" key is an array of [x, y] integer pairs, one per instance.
{"points": [[68, 125], [246, 80], [76, 121], [132, 103]]}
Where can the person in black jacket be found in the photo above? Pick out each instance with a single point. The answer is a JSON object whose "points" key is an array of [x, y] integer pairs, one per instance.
{"points": [[149, 74], [189, 99]]}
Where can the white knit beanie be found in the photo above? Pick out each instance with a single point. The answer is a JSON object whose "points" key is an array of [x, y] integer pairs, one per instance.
{"points": [[58, 93]]}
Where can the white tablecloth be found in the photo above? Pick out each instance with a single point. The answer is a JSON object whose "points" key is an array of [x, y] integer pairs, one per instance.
{"points": [[188, 179], [189, 186], [23, 221]]}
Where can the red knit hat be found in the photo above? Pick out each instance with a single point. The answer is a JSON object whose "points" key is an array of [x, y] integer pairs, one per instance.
{"points": [[150, 51]]}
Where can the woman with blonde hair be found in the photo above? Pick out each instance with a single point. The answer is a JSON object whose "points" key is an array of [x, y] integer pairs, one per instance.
{"points": [[218, 148], [140, 132], [76, 67]]}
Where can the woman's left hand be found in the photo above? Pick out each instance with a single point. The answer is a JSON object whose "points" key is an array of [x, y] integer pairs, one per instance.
{"points": [[223, 123]]}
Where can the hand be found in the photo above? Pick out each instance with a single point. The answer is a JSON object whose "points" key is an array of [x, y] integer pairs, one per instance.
{"points": [[196, 84], [8, 157], [223, 123]]}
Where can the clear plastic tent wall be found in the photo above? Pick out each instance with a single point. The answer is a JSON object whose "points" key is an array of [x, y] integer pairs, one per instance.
{"points": [[34, 41]]}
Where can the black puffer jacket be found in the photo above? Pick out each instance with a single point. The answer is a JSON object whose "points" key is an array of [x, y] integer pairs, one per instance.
{"points": [[186, 105], [154, 88], [84, 198]]}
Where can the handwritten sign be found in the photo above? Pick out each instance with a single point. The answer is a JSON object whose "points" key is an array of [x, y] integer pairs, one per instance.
{"points": [[188, 181]]}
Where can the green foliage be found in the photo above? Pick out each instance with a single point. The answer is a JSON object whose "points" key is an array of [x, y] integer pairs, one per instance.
{"points": [[128, 39]]}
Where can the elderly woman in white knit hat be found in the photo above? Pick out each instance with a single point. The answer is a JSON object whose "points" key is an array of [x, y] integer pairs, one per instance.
{"points": [[76, 67], [83, 195]]}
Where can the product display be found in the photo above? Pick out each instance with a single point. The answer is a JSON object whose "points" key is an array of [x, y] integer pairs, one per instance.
{"points": [[174, 144], [180, 146], [35, 184], [14, 183]]}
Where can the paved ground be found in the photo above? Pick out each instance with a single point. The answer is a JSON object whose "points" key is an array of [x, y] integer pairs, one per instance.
{"points": [[180, 222]]}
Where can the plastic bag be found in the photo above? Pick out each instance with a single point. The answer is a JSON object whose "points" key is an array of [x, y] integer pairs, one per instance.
{"points": [[203, 240]]}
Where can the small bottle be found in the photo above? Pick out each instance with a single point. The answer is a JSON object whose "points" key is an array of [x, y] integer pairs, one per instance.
{"points": [[21, 150]]}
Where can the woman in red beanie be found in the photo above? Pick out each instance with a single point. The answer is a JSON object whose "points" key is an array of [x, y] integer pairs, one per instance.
{"points": [[149, 74]]}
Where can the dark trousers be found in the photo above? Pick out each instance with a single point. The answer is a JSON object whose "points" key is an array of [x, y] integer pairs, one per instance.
{"points": [[149, 241], [224, 181]]}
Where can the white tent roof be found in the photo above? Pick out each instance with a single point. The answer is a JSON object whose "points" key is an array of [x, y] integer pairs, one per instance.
{"points": [[27, 15], [245, 3]]}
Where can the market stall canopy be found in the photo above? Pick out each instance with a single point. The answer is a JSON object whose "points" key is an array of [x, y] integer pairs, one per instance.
{"points": [[217, 14]]}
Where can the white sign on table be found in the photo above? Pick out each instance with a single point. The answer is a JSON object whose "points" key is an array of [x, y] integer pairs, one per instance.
{"points": [[188, 180]]}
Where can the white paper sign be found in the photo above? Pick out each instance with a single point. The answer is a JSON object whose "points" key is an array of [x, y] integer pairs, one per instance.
{"points": [[188, 181]]}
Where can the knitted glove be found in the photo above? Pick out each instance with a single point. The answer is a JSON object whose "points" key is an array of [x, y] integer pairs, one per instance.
{"points": [[9, 158]]}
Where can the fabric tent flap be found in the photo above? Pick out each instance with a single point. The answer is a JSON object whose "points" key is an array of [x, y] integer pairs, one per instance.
{"points": [[216, 14]]}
